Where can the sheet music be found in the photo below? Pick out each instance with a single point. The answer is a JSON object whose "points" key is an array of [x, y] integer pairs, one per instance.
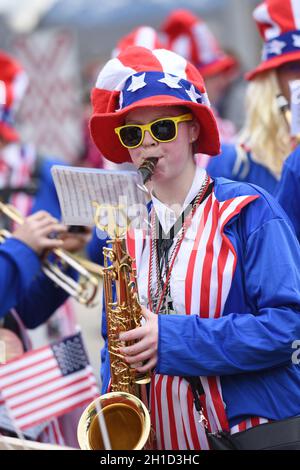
{"points": [[86, 194]]}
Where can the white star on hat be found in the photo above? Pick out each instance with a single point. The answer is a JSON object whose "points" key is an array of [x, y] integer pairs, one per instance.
{"points": [[193, 94], [296, 40], [120, 101], [205, 99], [170, 81], [137, 83], [275, 47]]}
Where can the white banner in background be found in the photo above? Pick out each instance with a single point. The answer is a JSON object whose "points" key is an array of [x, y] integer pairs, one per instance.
{"points": [[50, 115]]}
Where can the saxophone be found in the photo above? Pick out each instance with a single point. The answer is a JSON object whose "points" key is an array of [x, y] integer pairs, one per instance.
{"points": [[126, 418]]}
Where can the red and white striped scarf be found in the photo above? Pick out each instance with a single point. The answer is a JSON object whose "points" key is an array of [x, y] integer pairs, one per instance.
{"points": [[209, 268]]}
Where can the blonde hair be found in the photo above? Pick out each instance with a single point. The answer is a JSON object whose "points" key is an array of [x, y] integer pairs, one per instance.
{"points": [[265, 132]]}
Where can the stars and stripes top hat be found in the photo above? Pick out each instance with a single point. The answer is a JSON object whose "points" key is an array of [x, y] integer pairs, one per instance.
{"points": [[143, 36], [189, 36], [279, 25], [13, 82], [138, 78]]}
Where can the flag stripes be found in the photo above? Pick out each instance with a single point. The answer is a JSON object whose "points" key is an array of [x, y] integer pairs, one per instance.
{"points": [[48, 382]]}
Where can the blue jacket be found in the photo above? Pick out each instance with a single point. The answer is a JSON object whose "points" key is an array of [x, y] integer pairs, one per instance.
{"points": [[18, 266], [230, 165], [46, 197], [288, 190], [250, 346]]}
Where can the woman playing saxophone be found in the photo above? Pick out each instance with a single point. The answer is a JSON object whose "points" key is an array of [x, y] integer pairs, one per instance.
{"points": [[217, 333]]}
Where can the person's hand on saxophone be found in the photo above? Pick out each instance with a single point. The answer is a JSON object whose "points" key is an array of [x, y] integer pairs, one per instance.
{"points": [[145, 349]]}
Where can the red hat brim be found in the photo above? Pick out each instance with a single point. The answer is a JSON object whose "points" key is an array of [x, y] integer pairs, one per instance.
{"points": [[273, 63], [8, 133], [222, 65], [102, 127]]}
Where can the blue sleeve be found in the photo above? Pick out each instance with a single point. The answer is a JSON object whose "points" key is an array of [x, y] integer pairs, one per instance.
{"points": [[243, 341], [95, 247], [46, 197], [288, 189], [41, 299], [18, 265], [236, 164], [223, 164]]}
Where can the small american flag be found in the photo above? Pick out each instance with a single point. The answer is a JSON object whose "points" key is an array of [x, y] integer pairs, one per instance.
{"points": [[48, 382]]}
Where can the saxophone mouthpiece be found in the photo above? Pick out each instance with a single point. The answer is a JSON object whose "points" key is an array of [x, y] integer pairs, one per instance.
{"points": [[147, 168]]}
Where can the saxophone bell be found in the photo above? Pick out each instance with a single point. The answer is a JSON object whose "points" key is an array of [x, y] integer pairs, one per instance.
{"points": [[127, 422]]}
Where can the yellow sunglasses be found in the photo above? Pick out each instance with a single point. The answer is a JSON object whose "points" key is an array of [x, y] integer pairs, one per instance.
{"points": [[162, 130]]}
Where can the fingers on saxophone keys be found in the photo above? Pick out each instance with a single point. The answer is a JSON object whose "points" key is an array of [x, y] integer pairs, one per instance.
{"points": [[137, 333], [136, 365], [134, 349], [138, 358], [148, 366]]}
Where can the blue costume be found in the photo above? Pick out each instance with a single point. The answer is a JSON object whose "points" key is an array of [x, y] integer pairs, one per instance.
{"points": [[250, 345], [288, 191], [240, 166]]}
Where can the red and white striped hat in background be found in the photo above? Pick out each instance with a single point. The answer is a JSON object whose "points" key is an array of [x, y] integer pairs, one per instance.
{"points": [[13, 83], [278, 22], [139, 77], [189, 36], [143, 36]]}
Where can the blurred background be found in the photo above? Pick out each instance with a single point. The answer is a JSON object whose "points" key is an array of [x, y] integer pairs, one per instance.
{"points": [[62, 45]]}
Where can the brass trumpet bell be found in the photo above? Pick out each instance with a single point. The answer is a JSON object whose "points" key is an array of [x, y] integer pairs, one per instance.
{"points": [[127, 422]]}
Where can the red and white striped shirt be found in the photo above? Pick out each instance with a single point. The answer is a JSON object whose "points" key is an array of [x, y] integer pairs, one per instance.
{"points": [[199, 285]]}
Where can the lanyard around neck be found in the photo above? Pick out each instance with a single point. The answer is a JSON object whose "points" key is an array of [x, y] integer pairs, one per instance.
{"points": [[204, 192]]}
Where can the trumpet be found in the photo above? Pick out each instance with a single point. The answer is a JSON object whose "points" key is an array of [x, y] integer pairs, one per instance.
{"points": [[85, 289]]}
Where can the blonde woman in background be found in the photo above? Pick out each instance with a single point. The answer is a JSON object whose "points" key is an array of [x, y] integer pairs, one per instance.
{"points": [[265, 141]]}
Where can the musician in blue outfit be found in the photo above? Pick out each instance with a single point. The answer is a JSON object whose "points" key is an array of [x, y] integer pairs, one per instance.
{"points": [[221, 301], [21, 281], [265, 141], [28, 297]]}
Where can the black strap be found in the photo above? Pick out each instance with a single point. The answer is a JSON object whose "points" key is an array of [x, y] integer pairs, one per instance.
{"points": [[197, 390], [31, 188], [165, 240]]}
